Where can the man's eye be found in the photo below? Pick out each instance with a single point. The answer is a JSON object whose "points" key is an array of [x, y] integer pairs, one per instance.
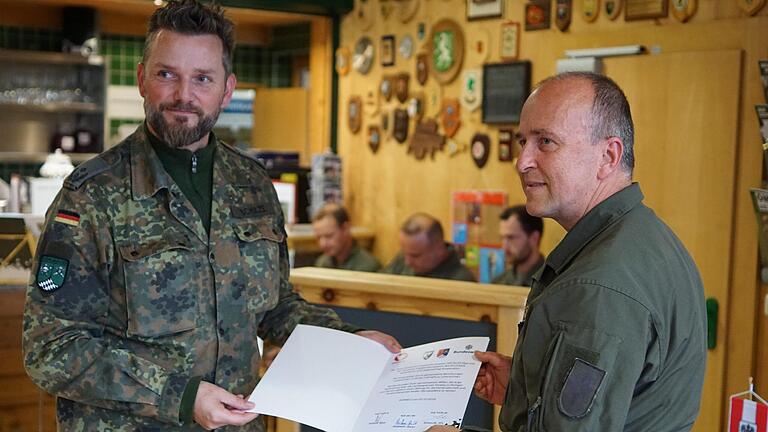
{"points": [[165, 74], [545, 140], [204, 79]]}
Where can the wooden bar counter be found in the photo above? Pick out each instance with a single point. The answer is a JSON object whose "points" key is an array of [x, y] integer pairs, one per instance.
{"points": [[502, 305]]}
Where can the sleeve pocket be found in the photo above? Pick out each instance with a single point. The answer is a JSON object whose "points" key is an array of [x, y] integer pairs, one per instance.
{"points": [[580, 389]]}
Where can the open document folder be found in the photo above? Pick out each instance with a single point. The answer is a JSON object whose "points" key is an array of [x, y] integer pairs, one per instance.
{"points": [[341, 382]]}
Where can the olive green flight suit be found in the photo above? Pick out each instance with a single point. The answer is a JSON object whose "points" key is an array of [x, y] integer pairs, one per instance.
{"points": [[450, 268], [359, 259], [614, 336]]}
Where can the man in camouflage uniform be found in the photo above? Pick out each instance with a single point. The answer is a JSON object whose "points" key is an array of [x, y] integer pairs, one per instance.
{"points": [[425, 253], [334, 236], [614, 332], [164, 257]]}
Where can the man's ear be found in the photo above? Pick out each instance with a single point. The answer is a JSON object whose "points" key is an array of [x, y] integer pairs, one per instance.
{"points": [[613, 150], [229, 88], [536, 238], [140, 77]]}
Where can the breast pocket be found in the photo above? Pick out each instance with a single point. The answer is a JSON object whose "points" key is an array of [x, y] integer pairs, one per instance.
{"points": [[161, 294], [259, 244]]}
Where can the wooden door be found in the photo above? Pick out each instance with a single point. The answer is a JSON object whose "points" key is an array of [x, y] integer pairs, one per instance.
{"points": [[686, 107]]}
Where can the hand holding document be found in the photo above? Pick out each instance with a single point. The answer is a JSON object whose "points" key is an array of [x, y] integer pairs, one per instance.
{"points": [[341, 382]]}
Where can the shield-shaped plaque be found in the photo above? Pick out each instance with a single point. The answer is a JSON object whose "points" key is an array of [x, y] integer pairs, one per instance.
{"points": [[751, 6], [450, 116], [480, 148], [446, 43], [386, 125], [433, 99], [386, 7], [563, 14], [590, 9], [425, 140], [385, 88], [683, 10], [471, 89], [401, 86], [422, 67], [613, 9], [354, 114], [374, 138], [401, 125]]}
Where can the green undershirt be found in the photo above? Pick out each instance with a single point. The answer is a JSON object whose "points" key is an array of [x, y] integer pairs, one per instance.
{"points": [[196, 182]]}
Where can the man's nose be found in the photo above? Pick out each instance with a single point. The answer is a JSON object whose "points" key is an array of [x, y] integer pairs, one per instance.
{"points": [[183, 91], [526, 160]]}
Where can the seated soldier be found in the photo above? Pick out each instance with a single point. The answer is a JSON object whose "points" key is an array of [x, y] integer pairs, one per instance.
{"points": [[334, 236], [425, 253], [521, 235]]}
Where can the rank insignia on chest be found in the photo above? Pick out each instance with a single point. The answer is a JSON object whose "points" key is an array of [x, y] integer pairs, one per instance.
{"points": [[68, 217], [51, 273]]}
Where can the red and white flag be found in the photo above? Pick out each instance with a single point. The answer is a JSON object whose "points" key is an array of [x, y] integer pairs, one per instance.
{"points": [[748, 416]]}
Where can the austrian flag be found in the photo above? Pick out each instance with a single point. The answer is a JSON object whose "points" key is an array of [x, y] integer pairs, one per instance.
{"points": [[748, 416], [67, 217]]}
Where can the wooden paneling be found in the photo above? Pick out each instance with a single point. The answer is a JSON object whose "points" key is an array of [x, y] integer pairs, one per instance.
{"points": [[271, 130], [321, 76]]}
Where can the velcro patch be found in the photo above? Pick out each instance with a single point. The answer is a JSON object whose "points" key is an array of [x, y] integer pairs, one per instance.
{"points": [[249, 212], [67, 217], [51, 273], [580, 389]]}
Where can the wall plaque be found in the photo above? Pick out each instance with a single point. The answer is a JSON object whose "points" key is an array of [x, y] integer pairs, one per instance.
{"points": [[645, 9], [537, 15], [683, 10], [374, 138], [354, 114], [563, 9], [446, 47], [613, 9], [481, 148], [401, 125], [450, 116]]}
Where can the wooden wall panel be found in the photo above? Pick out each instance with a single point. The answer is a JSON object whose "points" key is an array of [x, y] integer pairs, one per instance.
{"points": [[271, 108]]}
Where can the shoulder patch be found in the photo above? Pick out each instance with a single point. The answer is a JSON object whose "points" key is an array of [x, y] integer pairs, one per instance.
{"points": [[580, 389], [85, 171], [243, 153], [51, 273]]}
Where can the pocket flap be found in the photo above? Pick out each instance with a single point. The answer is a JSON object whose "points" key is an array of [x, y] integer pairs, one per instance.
{"points": [[249, 232], [134, 252]]}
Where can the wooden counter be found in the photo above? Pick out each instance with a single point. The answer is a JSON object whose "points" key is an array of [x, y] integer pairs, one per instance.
{"points": [[499, 304], [23, 406]]}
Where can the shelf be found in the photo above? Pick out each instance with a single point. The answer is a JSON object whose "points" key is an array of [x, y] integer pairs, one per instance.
{"points": [[25, 157], [54, 107], [49, 57]]}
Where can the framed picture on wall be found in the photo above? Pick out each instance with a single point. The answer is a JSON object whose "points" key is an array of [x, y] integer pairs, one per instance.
{"points": [[505, 88], [480, 9], [388, 50]]}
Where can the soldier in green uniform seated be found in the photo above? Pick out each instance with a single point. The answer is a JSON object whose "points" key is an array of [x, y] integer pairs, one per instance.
{"points": [[424, 252], [521, 235], [164, 257], [614, 332], [334, 236]]}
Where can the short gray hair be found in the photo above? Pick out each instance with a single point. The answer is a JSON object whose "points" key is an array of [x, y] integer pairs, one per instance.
{"points": [[611, 115]]}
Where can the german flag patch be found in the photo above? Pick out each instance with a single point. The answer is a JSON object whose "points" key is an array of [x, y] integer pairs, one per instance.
{"points": [[67, 217]]}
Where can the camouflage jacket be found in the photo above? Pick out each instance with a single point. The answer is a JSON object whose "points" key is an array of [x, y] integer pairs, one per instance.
{"points": [[131, 298]]}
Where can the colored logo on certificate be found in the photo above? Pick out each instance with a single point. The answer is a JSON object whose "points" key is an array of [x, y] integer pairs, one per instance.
{"points": [[401, 356], [428, 354], [443, 352]]}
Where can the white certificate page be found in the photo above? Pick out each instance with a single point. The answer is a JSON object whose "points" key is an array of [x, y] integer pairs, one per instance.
{"points": [[340, 382], [423, 386]]}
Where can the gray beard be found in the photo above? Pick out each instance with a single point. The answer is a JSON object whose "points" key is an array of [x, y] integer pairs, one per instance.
{"points": [[177, 134]]}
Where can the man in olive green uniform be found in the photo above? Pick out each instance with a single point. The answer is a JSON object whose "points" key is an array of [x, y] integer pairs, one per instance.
{"points": [[521, 236], [424, 252], [614, 332], [164, 257], [334, 236]]}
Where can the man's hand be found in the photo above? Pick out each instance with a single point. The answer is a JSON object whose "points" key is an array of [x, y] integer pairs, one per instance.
{"points": [[388, 341], [216, 407], [493, 378], [441, 429]]}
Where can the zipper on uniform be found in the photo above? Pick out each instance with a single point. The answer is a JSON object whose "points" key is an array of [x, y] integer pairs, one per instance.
{"points": [[194, 163], [532, 413]]}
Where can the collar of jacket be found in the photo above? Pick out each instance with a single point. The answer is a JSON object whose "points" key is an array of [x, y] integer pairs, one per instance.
{"points": [[593, 223], [147, 172]]}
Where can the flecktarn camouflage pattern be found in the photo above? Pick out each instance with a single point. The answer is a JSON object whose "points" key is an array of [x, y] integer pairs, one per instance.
{"points": [[135, 298]]}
